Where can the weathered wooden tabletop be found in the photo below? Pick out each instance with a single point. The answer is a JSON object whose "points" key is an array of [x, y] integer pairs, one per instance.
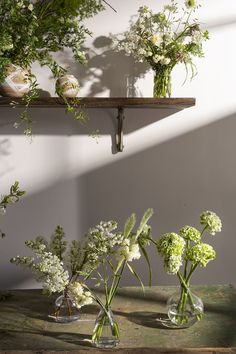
{"points": [[24, 325]]}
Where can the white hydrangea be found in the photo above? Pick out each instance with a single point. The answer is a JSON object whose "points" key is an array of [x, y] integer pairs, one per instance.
{"points": [[79, 295]]}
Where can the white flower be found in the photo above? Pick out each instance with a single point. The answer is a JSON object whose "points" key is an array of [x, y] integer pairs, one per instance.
{"points": [[30, 7], [165, 61], [157, 39], [128, 251], [149, 53], [78, 295]]}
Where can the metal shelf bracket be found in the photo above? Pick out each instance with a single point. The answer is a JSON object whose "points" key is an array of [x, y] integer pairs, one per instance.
{"points": [[120, 132]]}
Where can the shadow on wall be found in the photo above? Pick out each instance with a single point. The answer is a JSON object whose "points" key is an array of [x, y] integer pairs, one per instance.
{"points": [[179, 179], [104, 121], [5, 151], [106, 71]]}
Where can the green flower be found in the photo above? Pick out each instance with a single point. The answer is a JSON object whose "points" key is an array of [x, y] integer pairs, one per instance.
{"points": [[191, 4], [172, 264], [190, 233], [211, 221], [170, 244], [201, 253]]}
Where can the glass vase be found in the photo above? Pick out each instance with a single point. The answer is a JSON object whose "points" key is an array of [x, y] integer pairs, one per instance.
{"points": [[106, 330], [162, 82], [184, 308], [65, 309]]}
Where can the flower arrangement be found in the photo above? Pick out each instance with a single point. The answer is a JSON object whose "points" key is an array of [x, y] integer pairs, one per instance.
{"points": [[163, 40], [32, 31], [114, 252], [187, 247], [58, 265], [102, 255]]}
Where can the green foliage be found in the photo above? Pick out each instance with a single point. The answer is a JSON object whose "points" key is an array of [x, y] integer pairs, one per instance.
{"points": [[12, 197], [129, 225], [32, 32], [58, 244]]}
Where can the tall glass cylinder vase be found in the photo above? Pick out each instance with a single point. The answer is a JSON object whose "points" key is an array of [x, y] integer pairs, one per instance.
{"points": [[162, 82], [106, 330], [184, 308]]}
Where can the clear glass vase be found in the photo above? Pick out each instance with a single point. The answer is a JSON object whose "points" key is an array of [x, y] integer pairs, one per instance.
{"points": [[65, 309], [162, 82], [184, 308], [106, 331]]}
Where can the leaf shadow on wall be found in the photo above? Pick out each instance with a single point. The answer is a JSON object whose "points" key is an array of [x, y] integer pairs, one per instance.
{"points": [[106, 71]]}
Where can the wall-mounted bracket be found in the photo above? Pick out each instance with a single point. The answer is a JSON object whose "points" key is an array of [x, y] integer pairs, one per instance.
{"points": [[120, 132]]}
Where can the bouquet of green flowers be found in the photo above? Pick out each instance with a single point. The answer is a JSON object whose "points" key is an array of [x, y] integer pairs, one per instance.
{"points": [[188, 249], [163, 40]]}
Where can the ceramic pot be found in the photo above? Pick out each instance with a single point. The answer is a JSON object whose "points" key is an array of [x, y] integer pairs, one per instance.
{"points": [[67, 86], [17, 82]]}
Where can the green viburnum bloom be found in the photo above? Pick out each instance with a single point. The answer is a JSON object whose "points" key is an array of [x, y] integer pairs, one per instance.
{"points": [[211, 221], [191, 4], [201, 253], [170, 244], [172, 264], [190, 233]]}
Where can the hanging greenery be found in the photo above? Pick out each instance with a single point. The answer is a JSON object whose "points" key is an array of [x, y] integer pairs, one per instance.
{"points": [[34, 30]]}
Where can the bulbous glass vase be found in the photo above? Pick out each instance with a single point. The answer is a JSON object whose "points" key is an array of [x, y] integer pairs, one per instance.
{"points": [[106, 330], [65, 309], [184, 308]]}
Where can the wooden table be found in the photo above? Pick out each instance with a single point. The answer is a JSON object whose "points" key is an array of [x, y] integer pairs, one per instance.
{"points": [[25, 327]]}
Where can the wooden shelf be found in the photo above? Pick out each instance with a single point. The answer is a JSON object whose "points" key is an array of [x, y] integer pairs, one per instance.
{"points": [[108, 102], [119, 103]]}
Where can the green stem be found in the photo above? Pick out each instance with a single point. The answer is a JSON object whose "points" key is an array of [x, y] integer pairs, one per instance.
{"points": [[116, 281]]}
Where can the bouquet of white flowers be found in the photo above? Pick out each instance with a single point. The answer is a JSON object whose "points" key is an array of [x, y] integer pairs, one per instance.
{"points": [[163, 40]]}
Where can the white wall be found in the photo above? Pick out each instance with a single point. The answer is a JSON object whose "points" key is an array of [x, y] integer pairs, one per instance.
{"points": [[180, 165]]}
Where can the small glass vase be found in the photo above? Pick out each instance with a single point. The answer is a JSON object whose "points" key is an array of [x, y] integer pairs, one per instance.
{"points": [[106, 331], [162, 82], [184, 308], [65, 310]]}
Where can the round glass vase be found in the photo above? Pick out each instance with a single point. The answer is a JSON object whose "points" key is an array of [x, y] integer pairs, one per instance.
{"points": [[106, 330], [184, 308], [162, 82], [65, 309]]}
